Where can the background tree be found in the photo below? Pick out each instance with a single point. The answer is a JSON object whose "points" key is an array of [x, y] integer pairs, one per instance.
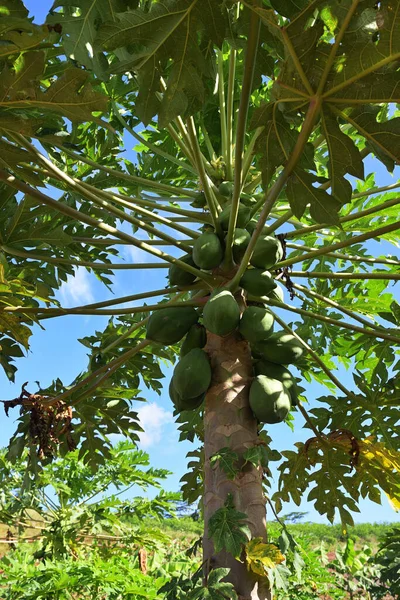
{"points": [[260, 115]]}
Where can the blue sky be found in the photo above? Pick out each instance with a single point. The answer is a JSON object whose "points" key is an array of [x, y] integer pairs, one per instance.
{"points": [[55, 352]]}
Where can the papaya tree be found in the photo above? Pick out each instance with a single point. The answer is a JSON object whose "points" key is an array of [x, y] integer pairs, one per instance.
{"points": [[258, 127]]}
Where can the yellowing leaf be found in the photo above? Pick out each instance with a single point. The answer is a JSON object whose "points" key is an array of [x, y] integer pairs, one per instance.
{"points": [[376, 452], [394, 503], [260, 557]]}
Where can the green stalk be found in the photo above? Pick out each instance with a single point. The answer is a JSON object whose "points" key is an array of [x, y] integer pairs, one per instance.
{"points": [[327, 275], [55, 311], [229, 114], [203, 175], [222, 107], [168, 222], [81, 217], [180, 143], [280, 221], [277, 187], [207, 139], [94, 197], [113, 241], [336, 305], [352, 217], [354, 240], [145, 183], [108, 368], [386, 188], [252, 185], [314, 355], [248, 156], [121, 300], [155, 149], [71, 262], [348, 257], [248, 75], [307, 313]]}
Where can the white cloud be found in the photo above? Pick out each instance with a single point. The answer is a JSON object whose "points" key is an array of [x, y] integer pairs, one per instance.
{"points": [[77, 289], [153, 419]]}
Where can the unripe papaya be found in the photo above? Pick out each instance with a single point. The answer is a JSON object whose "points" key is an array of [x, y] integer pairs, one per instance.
{"points": [[258, 282], [207, 251], [226, 188], [196, 338], [267, 252], [281, 348], [277, 294], [181, 404], [269, 400], [274, 371], [251, 225], [256, 324], [247, 199], [192, 374], [200, 201], [169, 325], [178, 276], [241, 239], [221, 314], [242, 218]]}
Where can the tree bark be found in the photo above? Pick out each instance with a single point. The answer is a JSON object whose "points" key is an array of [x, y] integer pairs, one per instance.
{"points": [[229, 422]]}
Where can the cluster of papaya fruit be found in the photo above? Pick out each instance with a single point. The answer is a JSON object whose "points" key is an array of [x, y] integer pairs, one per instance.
{"points": [[273, 390]]}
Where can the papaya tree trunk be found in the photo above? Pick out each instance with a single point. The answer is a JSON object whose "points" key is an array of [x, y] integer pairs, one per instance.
{"points": [[229, 422]]}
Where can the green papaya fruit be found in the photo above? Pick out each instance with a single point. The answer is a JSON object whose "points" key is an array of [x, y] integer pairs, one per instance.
{"points": [[181, 404], [267, 252], [207, 251], [281, 348], [251, 225], [169, 325], [241, 239], [192, 374], [274, 371], [242, 218], [226, 188], [256, 324], [200, 201], [178, 276], [221, 314], [269, 400], [196, 337], [277, 294], [247, 199], [258, 282]]}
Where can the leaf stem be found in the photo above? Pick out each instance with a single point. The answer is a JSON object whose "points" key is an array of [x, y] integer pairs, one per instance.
{"points": [[327, 275], [348, 257], [352, 217], [203, 175], [372, 234], [312, 315], [155, 149], [222, 105], [273, 193], [336, 305], [81, 217], [248, 76], [229, 113], [314, 355], [145, 183]]}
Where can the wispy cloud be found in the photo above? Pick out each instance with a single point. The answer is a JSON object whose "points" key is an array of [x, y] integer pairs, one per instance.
{"points": [[153, 419], [77, 289]]}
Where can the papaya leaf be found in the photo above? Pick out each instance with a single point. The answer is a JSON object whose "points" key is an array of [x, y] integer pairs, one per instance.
{"points": [[228, 529], [261, 557], [216, 589], [227, 460]]}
